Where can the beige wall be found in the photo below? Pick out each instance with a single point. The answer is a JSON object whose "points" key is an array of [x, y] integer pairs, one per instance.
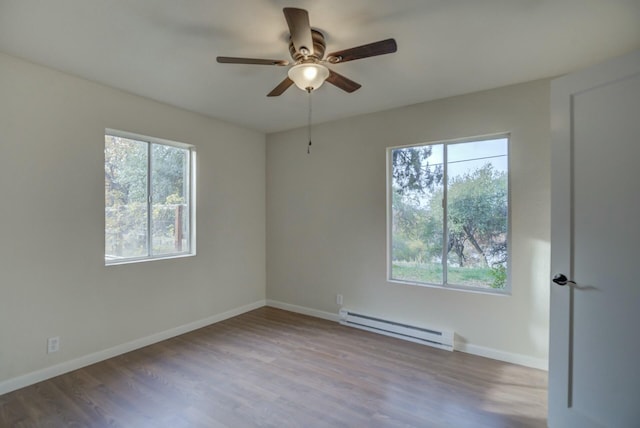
{"points": [[326, 220], [53, 281]]}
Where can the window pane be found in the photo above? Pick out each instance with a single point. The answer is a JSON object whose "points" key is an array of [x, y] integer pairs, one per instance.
{"points": [[417, 214], [477, 213], [125, 171], [170, 193]]}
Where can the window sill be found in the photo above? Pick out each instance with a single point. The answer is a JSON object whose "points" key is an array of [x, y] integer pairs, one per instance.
{"points": [[117, 262], [491, 292]]}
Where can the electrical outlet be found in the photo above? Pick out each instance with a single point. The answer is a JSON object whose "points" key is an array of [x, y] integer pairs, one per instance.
{"points": [[339, 299], [53, 344]]}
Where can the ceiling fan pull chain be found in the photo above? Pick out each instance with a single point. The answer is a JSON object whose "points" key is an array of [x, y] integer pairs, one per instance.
{"points": [[309, 122]]}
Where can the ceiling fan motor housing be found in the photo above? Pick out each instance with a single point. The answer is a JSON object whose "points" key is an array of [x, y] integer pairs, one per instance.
{"points": [[318, 47]]}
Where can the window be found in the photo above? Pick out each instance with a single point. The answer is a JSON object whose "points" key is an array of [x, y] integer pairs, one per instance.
{"points": [[449, 214], [149, 198]]}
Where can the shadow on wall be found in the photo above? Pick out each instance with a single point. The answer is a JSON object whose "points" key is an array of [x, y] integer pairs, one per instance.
{"points": [[539, 268]]}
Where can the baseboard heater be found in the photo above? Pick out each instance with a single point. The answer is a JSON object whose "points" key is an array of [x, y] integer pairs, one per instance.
{"points": [[425, 336]]}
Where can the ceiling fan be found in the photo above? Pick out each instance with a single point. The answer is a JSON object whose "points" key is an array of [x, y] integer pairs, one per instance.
{"points": [[307, 46]]}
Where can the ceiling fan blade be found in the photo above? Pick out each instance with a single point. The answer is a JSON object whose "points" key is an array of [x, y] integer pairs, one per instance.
{"points": [[300, 29], [233, 60], [365, 51], [283, 86], [342, 82]]}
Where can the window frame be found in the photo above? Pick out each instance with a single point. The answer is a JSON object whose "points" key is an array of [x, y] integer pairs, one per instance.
{"points": [[506, 291], [191, 191]]}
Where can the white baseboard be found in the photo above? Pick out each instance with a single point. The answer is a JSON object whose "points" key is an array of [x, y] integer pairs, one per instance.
{"points": [[495, 354], [303, 310], [507, 357], [77, 363]]}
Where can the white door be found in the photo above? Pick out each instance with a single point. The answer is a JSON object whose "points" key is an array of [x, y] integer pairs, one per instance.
{"points": [[594, 356]]}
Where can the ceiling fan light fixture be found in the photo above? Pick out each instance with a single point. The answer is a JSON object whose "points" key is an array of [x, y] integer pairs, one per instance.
{"points": [[308, 76]]}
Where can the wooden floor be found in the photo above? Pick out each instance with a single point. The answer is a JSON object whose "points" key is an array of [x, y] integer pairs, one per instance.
{"points": [[272, 368]]}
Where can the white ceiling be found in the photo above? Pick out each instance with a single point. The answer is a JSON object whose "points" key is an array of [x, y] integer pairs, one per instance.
{"points": [[166, 49]]}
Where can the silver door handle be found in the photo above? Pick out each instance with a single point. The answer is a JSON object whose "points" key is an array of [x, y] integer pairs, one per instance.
{"points": [[561, 279]]}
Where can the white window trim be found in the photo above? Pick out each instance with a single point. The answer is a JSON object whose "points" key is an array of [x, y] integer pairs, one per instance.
{"points": [[192, 198], [506, 292]]}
